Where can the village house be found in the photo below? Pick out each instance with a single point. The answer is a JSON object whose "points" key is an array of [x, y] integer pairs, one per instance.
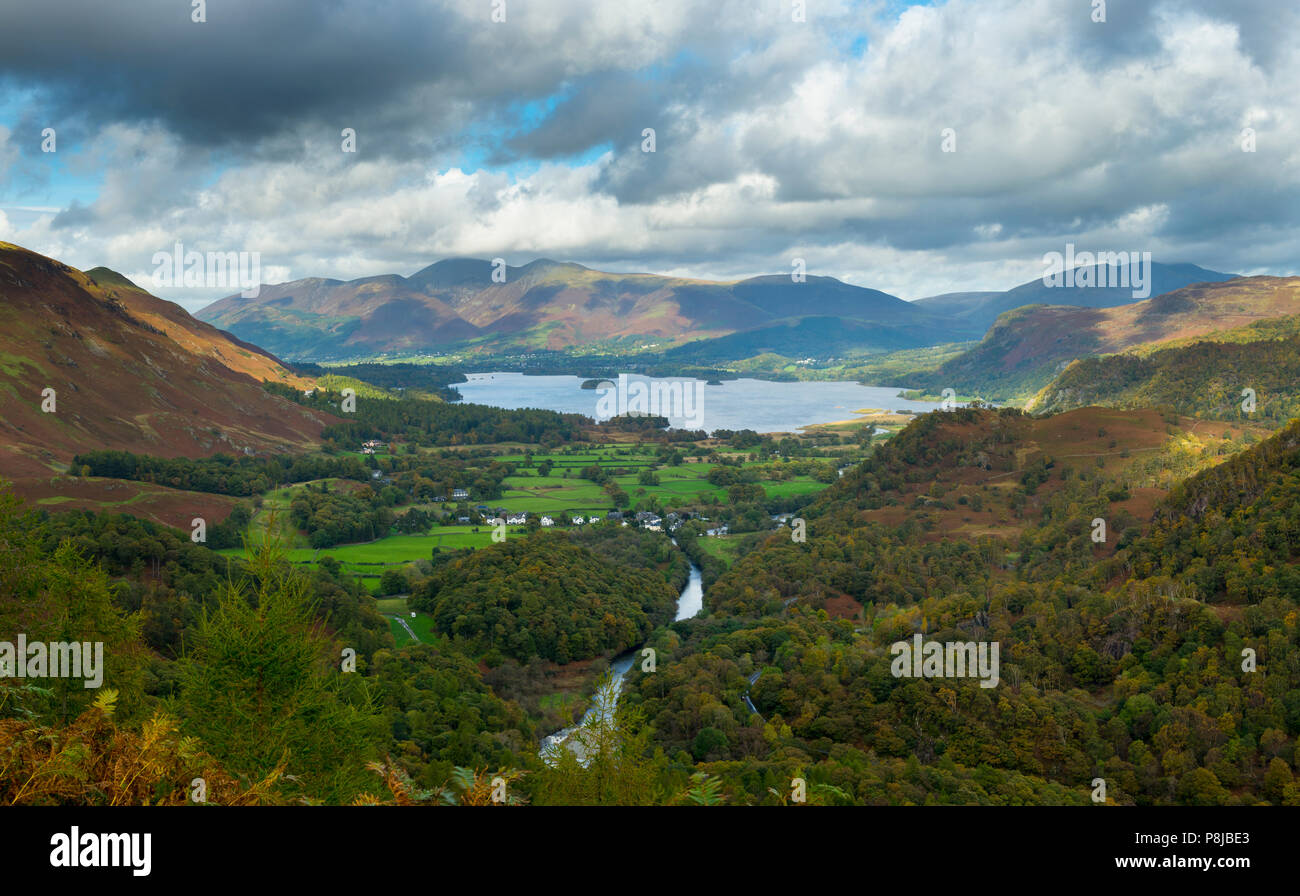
{"points": [[649, 521]]}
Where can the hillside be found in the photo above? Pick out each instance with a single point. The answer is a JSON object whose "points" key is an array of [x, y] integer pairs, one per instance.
{"points": [[189, 332], [1019, 489], [1231, 532], [1204, 377], [1026, 348], [1072, 545], [981, 309], [130, 371], [551, 305]]}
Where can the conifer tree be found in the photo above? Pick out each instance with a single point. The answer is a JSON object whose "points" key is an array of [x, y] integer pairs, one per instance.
{"points": [[262, 687]]}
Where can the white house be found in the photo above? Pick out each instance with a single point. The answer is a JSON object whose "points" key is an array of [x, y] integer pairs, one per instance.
{"points": [[547, 521]]}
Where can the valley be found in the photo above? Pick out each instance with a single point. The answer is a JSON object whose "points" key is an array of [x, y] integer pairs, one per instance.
{"points": [[496, 556]]}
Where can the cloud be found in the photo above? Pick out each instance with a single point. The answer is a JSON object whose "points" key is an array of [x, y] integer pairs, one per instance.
{"points": [[773, 138]]}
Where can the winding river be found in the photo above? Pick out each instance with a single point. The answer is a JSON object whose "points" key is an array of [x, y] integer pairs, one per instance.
{"points": [[689, 603]]}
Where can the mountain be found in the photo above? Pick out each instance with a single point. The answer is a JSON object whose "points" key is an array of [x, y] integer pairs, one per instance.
{"points": [[129, 371], [981, 309], [553, 305], [1026, 348]]}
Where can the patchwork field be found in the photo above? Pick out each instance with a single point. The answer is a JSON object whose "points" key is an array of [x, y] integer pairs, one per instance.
{"points": [[544, 484]]}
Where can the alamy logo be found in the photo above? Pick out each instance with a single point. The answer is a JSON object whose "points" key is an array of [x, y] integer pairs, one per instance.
{"points": [[680, 400], [1104, 270], [214, 270], [55, 659], [954, 659], [77, 850]]}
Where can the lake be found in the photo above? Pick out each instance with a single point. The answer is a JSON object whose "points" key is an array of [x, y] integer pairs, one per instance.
{"points": [[759, 405]]}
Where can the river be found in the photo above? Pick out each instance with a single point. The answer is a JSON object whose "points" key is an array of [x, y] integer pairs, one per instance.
{"points": [[603, 705]]}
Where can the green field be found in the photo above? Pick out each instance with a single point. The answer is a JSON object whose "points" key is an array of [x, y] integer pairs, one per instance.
{"points": [[727, 549], [369, 560], [422, 625]]}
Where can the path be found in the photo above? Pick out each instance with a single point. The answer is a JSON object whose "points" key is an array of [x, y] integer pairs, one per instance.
{"points": [[410, 631]]}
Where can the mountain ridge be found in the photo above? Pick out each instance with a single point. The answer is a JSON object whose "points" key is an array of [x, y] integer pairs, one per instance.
{"points": [[983, 309], [544, 304]]}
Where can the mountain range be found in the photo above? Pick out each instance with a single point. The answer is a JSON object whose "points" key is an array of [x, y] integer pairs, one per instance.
{"points": [[456, 304]]}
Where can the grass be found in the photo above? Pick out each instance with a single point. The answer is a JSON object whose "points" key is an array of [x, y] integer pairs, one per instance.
{"points": [[728, 549], [370, 559], [422, 625], [797, 485]]}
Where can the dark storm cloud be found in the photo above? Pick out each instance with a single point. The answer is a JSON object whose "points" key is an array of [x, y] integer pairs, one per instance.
{"points": [[252, 72]]}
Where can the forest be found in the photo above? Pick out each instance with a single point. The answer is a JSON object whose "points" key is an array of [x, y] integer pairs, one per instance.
{"points": [[555, 596]]}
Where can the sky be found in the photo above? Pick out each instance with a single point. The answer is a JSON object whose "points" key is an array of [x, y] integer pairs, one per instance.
{"points": [[775, 138]]}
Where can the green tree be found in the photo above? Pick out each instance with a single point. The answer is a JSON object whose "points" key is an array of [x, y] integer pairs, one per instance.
{"points": [[262, 688]]}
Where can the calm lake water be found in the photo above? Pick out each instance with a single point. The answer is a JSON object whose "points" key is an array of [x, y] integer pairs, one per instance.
{"points": [[737, 404]]}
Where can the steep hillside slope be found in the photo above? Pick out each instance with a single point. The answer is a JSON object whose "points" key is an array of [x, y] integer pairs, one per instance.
{"points": [[128, 371], [1205, 377], [188, 331], [1028, 347]]}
